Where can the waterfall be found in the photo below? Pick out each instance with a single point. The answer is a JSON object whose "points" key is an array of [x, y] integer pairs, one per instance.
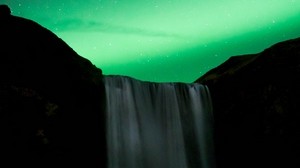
{"points": [[158, 125]]}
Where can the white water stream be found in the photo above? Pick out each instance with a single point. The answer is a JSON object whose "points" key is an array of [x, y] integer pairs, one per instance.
{"points": [[158, 125]]}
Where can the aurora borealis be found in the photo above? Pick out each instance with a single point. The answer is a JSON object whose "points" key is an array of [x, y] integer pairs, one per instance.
{"points": [[164, 40]]}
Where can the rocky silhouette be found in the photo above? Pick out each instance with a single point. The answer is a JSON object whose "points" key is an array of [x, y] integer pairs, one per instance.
{"points": [[50, 99], [256, 108], [4, 11]]}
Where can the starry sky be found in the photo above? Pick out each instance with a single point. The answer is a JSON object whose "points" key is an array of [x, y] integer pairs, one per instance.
{"points": [[164, 40]]}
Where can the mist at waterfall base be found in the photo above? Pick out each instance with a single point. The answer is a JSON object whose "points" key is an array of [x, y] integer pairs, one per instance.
{"points": [[158, 125], [176, 40]]}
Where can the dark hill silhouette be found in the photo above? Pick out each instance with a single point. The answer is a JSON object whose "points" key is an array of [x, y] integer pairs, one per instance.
{"points": [[4, 11], [256, 108], [50, 99]]}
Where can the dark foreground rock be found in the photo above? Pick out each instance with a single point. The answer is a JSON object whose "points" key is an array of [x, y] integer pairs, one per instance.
{"points": [[50, 100], [257, 108]]}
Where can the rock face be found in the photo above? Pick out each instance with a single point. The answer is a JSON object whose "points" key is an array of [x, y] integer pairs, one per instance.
{"points": [[256, 108], [50, 99]]}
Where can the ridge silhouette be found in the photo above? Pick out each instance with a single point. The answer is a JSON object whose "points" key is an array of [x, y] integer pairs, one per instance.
{"points": [[50, 99], [4, 11]]}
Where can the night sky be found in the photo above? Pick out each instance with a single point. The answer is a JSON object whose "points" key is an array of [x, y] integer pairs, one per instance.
{"points": [[164, 40]]}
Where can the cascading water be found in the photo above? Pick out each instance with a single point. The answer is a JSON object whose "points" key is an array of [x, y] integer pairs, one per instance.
{"points": [[158, 125]]}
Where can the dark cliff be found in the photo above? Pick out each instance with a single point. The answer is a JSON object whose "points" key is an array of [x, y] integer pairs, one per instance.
{"points": [[51, 99], [256, 107]]}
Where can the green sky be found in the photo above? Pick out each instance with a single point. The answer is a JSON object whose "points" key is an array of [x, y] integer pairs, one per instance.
{"points": [[164, 40]]}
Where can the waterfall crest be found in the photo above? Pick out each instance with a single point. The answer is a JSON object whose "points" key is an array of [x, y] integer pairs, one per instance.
{"points": [[158, 125]]}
